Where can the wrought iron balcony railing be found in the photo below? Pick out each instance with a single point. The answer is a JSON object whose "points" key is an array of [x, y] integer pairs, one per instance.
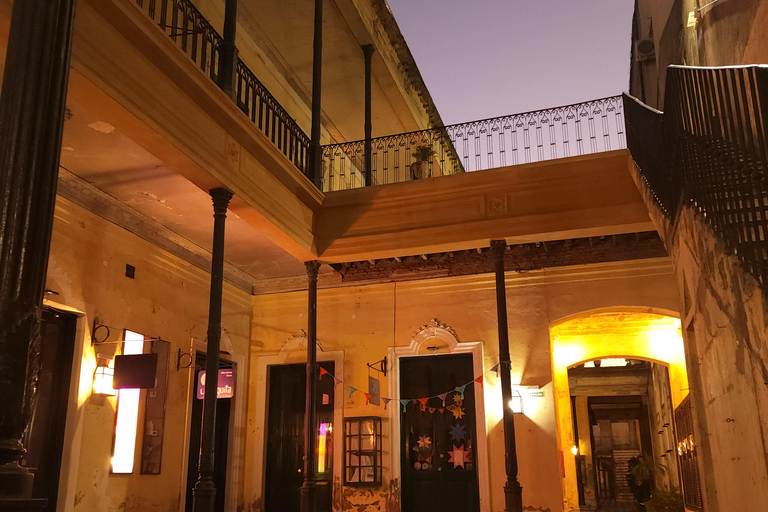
{"points": [[195, 36], [584, 128], [709, 148]]}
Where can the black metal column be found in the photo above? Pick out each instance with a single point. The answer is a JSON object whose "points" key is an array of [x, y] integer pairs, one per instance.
{"points": [[368, 54], [309, 487], [315, 151], [31, 124], [204, 492], [228, 62], [513, 492]]}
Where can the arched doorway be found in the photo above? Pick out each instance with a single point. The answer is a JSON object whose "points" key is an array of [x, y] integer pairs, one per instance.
{"points": [[627, 334]]}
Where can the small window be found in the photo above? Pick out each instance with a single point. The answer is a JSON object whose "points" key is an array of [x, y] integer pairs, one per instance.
{"points": [[362, 451]]}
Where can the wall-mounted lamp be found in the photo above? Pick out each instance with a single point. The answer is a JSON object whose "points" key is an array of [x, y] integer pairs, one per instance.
{"points": [[575, 450], [516, 403], [102, 378]]}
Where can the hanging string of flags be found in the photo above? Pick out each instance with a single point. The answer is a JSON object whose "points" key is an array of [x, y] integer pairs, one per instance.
{"points": [[421, 400]]}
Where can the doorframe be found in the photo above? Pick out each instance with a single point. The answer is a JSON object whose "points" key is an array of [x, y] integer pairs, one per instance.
{"points": [[435, 329], [290, 353], [236, 437], [80, 387]]}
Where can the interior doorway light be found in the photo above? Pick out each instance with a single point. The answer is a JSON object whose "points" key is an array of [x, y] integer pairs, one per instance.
{"points": [[127, 421]]}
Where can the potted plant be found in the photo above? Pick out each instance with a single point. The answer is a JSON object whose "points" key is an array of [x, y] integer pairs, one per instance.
{"points": [[665, 501], [420, 167]]}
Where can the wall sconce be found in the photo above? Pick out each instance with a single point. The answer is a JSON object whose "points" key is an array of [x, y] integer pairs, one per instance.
{"points": [[516, 403], [102, 378]]}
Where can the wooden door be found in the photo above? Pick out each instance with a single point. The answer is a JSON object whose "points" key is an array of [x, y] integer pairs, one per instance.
{"points": [[285, 436], [438, 441]]}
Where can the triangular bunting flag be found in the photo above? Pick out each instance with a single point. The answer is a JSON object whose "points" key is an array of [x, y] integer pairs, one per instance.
{"points": [[479, 380], [367, 398], [442, 397], [495, 369], [423, 402], [335, 381], [351, 390], [431, 410], [323, 371], [404, 403], [441, 410], [461, 389], [386, 402]]}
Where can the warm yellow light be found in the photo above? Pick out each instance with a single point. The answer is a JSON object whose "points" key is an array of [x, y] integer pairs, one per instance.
{"points": [[102, 381], [575, 450], [127, 421], [322, 440]]}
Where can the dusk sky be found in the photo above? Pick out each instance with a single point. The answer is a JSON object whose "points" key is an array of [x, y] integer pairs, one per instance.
{"points": [[487, 58]]}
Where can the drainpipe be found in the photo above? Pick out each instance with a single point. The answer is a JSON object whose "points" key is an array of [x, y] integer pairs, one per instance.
{"points": [[315, 151], [513, 492], [368, 54], [32, 109], [228, 62], [309, 487], [204, 493]]}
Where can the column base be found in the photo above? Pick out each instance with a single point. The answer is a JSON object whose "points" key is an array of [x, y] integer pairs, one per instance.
{"points": [[513, 496], [16, 490], [203, 498]]}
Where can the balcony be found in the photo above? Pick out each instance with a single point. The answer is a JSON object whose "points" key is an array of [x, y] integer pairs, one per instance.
{"points": [[574, 130]]}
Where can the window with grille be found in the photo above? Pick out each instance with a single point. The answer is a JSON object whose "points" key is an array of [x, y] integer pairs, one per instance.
{"points": [[687, 453]]}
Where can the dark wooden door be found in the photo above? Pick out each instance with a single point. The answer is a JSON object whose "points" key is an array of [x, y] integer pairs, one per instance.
{"points": [[285, 436], [44, 438], [220, 442], [438, 449]]}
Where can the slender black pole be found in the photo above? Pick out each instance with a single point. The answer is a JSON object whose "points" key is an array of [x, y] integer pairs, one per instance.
{"points": [[228, 62], [315, 151], [31, 124], [368, 54], [309, 487], [204, 493], [512, 490]]}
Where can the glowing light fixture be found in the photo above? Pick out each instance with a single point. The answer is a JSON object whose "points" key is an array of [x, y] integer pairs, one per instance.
{"points": [[127, 421], [575, 450], [516, 403], [102, 379]]}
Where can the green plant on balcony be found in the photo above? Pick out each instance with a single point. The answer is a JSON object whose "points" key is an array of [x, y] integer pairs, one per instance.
{"points": [[665, 501], [420, 166]]}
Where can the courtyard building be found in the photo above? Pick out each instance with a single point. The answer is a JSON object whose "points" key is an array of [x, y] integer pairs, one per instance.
{"points": [[559, 310]]}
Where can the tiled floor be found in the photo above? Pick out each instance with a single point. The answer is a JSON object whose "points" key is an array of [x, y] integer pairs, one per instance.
{"points": [[619, 506]]}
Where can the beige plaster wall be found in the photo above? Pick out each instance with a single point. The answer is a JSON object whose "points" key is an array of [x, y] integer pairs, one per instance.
{"points": [[364, 322], [661, 411], [724, 325], [168, 298]]}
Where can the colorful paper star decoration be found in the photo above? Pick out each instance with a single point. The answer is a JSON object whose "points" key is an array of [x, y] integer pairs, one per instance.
{"points": [[458, 432], [424, 441], [458, 412], [459, 456]]}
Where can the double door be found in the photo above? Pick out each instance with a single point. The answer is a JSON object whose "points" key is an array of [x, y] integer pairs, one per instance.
{"points": [[438, 448]]}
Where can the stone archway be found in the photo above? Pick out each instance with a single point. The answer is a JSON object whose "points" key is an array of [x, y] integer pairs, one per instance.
{"points": [[635, 333]]}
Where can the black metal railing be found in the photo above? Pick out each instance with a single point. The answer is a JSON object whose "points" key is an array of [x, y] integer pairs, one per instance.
{"points": [[271, 118], [560, 132], [712, 154], [196, 37]]}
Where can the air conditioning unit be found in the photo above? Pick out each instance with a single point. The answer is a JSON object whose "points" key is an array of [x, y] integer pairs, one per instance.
{"points": [[644, 50]]}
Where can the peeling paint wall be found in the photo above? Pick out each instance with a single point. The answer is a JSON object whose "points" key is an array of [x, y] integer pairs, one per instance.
{"points": [[365, 321], [724, 324], [168, 298]]}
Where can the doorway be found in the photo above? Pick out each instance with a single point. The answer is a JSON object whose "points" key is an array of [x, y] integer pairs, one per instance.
{"points": [[285, 436], [220, 443], [44, 437], [438, 439]]}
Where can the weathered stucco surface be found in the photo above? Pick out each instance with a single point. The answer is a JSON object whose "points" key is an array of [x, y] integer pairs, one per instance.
{"points": [[364, 321], [168, 298], [724, 325]]}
